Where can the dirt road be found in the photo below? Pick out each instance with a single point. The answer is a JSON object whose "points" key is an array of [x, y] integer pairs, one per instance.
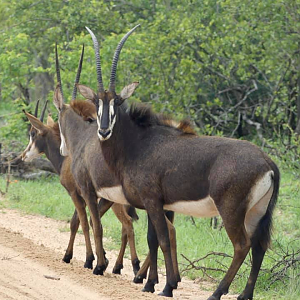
{"points": [[31, 249]]}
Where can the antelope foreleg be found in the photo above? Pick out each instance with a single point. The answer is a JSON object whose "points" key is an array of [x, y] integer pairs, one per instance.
{"points": [[142, 273], [91, 200], [157, 217], [127, 229], [153, 248], [74, 225], [80, 216], [172, 234]]}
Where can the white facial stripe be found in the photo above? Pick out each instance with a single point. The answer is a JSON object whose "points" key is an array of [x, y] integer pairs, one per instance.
{"points": [[111, 112], [111, 109], [31, 151], [99, 112]]}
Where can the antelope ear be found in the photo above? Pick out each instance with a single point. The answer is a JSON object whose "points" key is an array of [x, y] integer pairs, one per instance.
{"points": [[36, 123], [50, 121], [128, 90], [58, 100], [87, 92]]}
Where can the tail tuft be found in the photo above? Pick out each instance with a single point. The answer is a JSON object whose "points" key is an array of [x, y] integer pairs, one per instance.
{"points": [[132, 213], [262, 234]]}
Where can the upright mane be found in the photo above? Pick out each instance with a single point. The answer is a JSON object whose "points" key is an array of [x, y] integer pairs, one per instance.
{"points": [[143, 116], [85, 109]]}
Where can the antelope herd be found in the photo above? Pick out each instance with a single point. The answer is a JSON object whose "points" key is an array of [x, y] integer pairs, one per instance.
{"points": [[110, 155]]}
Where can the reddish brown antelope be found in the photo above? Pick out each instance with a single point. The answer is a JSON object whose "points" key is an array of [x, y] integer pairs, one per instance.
{"points": [[46, 139], [162, 167]]}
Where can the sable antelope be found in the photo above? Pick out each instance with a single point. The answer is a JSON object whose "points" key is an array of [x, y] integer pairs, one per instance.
{"points": [[46, 139], [79, 140], [162, 167]]}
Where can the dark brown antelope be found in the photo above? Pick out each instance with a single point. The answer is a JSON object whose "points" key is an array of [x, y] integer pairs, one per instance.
{"points": [[46, 139], [162, 167]]}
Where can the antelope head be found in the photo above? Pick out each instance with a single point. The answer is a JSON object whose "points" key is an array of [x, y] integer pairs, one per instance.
{"points": [[59, 102], [107, 101], [37, 132]]}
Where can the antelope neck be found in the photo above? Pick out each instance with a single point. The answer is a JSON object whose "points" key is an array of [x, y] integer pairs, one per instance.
{"points": [[53, 154], [74, 131], [115, 150]]}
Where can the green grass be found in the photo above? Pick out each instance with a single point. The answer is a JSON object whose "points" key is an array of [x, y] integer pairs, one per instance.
{"points": [[194, 239], [46, 197]]}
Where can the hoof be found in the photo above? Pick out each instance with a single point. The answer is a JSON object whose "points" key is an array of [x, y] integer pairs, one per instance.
{"points": [[213, 298], [165, 295], [117, 269], [138, 279], [99, 270], [168, 290], [149, 287], [88, 264], [136, 266], [67, 258], [146, 290]]}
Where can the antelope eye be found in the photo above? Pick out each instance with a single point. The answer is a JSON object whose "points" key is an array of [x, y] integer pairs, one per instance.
{"points": [[90, 120]]}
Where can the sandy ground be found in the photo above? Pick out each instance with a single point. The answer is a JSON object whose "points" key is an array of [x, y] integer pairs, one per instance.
{"points": [[31, 249]]}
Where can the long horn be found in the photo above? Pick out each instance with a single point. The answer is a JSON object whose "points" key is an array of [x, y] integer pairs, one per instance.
{"points": [[43, 112], [98, 62], [78, 74], [58, 72], [36, 108], [112, 82]]}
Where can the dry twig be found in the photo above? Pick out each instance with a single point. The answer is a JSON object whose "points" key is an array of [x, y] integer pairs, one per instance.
{"points": [[51, 277]]}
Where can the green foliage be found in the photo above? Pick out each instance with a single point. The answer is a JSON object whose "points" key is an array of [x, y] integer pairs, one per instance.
{"points": [[219, 63]]}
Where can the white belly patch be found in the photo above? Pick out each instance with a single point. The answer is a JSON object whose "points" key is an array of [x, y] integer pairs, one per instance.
{"points": [[198, 208], [114, 194]]}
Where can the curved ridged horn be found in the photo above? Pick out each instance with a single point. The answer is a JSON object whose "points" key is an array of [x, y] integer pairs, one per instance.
{"points": [[98, 62], [58, 72], [112, 82], [78, 74], [36, 108], [43, 112]]}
